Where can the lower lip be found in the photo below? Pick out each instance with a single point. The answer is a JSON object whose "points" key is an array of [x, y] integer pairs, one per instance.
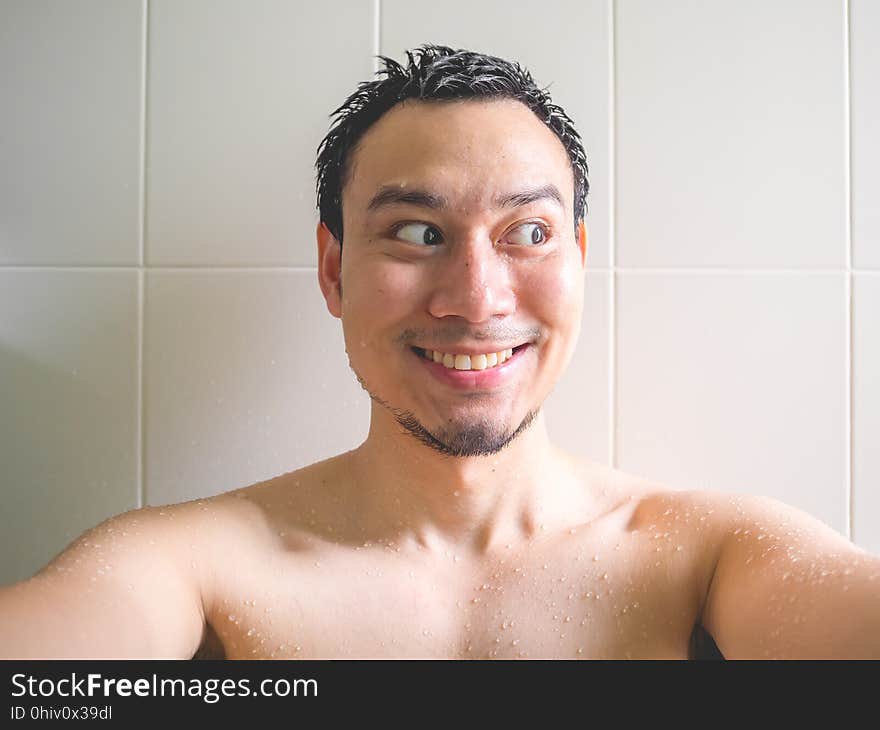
{"points": [[487, 379]]}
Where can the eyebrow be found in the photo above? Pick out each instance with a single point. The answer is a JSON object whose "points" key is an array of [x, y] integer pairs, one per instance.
{"points": [[389, 195]]}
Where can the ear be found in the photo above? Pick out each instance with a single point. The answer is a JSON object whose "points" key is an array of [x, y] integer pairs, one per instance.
{"points": [[330, 269], [582, 241]]}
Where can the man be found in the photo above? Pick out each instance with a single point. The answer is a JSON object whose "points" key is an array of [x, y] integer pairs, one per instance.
{"points": [[452, 246]]}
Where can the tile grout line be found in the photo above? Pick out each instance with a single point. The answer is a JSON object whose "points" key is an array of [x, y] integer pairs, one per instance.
{"points": [[141, 428], [848, 222], [612, 238]]}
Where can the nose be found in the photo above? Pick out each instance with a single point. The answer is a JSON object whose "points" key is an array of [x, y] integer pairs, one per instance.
{"points": [[474, 282]]}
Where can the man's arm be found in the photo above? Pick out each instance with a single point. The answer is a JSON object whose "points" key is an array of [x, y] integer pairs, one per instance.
{"points": [[787, 586], [119, 590]]}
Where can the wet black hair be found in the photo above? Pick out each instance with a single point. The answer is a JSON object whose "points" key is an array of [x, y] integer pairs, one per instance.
{"points": [[436, 73]]}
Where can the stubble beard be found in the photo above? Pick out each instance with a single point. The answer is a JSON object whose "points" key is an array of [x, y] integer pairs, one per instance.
{"points": [[478, 438]]}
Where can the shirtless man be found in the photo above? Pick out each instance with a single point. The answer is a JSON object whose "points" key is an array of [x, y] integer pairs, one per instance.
{"points": [[456, 530]]}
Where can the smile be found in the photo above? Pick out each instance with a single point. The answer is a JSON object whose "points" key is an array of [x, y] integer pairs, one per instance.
{"points": [[459, 372], [467, 362]]}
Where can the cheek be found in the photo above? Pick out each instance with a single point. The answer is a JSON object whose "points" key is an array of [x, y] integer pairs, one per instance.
{"points": [[379, 294], [554, 294]]}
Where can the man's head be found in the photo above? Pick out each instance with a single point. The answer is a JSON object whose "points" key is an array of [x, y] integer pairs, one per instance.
{"points": [[457, 203], [436, 73]]}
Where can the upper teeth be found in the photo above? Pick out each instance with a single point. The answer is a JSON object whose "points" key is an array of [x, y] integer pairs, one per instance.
{"points": [[469, 362]]}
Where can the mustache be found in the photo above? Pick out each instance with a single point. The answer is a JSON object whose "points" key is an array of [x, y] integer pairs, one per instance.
{"points": [[452, 335]]}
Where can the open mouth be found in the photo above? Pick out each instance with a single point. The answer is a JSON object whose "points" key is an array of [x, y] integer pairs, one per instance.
{"points": [[469, 362]]}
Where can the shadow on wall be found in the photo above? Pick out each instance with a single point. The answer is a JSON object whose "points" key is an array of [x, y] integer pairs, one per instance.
{"points": [[63, 466]]}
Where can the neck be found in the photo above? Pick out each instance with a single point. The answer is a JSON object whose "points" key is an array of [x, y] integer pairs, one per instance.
{"points": [[408, 492]]}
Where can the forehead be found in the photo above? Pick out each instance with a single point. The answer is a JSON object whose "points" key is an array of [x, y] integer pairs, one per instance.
{"points": [[467, 150]]}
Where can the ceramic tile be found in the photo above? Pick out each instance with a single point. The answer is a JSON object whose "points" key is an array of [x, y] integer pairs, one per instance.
{"points": [[240, 96], [246, 378], [736, 382], [70, 76], [68, 409], [731, 134]]}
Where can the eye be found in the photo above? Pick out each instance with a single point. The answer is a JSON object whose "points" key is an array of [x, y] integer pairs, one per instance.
{"points": [[421, 234], [535, 237]]}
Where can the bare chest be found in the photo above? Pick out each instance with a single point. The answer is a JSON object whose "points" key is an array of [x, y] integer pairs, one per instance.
{"points": [[600, 596]]}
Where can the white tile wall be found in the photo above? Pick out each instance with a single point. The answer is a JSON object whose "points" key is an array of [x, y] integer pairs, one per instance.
{"points": [[736, 382], [70, 91], [246, 378], [68, 408], [731, 133], [564, 43], [239, 98], [578, 409], [722, 128], [866, 411], [865, 54]]}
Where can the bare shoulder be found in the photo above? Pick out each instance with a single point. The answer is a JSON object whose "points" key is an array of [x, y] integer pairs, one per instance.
{"points": [[788, 585], [725, 514], [143, 583], [129, 587]]}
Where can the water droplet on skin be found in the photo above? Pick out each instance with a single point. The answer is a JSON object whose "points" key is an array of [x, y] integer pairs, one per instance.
{"points": [[678, 548]]}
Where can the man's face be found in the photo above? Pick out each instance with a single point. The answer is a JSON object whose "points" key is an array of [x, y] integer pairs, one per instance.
{"points": [[460, 271]]}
